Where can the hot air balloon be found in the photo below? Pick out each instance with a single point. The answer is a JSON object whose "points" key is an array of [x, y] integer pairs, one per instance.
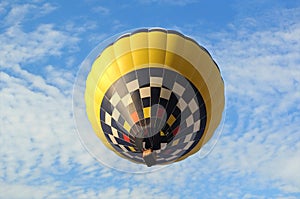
{"points": [[154, 96]]}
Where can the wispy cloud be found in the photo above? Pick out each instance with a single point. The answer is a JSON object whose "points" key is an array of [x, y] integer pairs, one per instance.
{"points": [[102, 10], [21, 47], [17, 13], [34, 128]]}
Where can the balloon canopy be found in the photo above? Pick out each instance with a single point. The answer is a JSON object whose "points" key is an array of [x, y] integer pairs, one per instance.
{"points": [[154, 96]]}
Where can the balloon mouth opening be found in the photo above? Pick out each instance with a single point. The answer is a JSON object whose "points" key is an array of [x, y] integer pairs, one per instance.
{"points": [[148, 127]]}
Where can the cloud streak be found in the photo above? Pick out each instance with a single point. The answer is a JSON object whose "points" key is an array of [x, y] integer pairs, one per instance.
{"points": [[16, 13]]}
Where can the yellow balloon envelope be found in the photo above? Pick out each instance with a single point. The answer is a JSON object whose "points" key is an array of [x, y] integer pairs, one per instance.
{"points": [[154, 96]]}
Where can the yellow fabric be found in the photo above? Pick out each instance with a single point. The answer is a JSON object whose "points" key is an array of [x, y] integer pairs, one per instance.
{"points": [[147, 112], [171, 120], [162, 133]]}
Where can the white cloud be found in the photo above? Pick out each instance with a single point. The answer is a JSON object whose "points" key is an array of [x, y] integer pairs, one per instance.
{"points": [[49, 190], [17, 13], [101, 10], [60, 78], [135, 191], [3, 6], [37, 132], [46, 8], [25, 191], [21, 47], [86, 26], [37, 126]]}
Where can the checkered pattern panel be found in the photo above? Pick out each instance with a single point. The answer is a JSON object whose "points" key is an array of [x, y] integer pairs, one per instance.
{"points": [[155, 104]]}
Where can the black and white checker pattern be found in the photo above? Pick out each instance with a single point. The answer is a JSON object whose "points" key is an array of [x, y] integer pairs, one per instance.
{"points": [[124, 116]]}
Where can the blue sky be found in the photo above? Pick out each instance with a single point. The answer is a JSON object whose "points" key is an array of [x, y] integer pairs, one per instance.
{"points": [[256, 45]]}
